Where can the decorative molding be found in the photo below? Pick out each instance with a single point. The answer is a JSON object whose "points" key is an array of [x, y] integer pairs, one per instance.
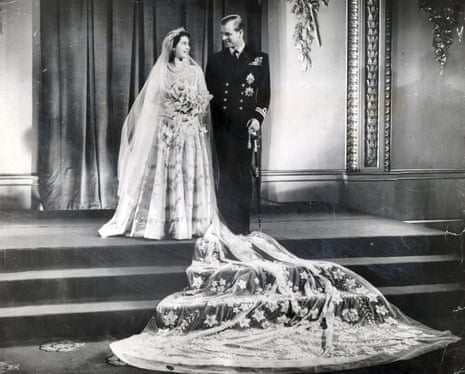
{"points": [[408, 175], [353, 85], [19, 180], [338, 175], [271, 176], [272, 172], [429, 171], [371, 81], [387, 85]]}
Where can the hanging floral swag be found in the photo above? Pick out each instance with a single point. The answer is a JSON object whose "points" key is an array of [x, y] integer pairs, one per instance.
{"points": [[448, 19], [306, 29]]}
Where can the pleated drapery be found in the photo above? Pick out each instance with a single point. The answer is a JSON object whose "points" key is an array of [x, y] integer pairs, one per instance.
{"points": [[95, 57]]}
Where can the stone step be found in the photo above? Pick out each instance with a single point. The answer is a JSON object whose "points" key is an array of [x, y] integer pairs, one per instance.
{"points": [[35, 323], [86, 285], [111, 253], [96, 252], [140, 282], [38, 323]]}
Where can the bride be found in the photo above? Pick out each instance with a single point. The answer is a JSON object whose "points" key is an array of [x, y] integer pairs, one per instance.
{"points": [[164, 168], [251, 306]]}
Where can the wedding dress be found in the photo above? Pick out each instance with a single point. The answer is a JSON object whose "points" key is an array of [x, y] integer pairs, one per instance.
{"points": [[251, 306], [165, 187]]}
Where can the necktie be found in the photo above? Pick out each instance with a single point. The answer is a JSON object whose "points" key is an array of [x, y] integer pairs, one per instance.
{"points": [[236, 54]]}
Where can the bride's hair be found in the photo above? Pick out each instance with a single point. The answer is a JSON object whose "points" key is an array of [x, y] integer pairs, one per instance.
{"points": [[175, 42]]}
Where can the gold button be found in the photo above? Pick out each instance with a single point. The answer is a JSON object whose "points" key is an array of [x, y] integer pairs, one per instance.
{"points": [[226, 92], [243, 84], [226, 84], [240, 108], [225, 99], [241, 101], [225, 107]]}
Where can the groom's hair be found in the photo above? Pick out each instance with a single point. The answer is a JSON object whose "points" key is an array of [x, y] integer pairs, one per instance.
{"points": [[236, 18]]}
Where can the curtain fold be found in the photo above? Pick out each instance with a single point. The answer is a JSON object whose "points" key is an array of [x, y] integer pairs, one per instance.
{"points": [[95, 57]]}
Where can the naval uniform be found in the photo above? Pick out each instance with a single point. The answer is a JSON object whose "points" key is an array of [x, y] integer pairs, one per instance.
{"points": [[240, 86]]}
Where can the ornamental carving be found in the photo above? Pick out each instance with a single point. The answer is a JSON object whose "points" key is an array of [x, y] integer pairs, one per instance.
{"points": [[448, 18], [387, 86], [353, 85], [306, 29], [371, 82]]}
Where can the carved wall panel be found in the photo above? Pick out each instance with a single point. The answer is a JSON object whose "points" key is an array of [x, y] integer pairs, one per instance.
{"points": [[371, 82], [387, 86], [353, 85]]}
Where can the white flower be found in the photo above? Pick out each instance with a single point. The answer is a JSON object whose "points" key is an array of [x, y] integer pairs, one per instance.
{"points": [[246, 306], [241, 284], [337, 298], [350, 315], [372, 297], [244, 322], [303, 275], [222, 282], [350, 283], [170, 318], [381, 309], [338, 274], [258, 315], [256, 281], [236, 310], [211, 320], [197, 282], [250, 78]]}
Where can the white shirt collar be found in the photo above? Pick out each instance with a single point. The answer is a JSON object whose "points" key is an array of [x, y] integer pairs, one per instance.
{"points": [[240, 49]]}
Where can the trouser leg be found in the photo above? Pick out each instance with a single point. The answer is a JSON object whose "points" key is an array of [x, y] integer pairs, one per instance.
{"points": [[235, 187]]}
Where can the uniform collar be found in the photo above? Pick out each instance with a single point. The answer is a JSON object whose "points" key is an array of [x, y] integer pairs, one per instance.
{"points": [[246, 51], [240, 50]]}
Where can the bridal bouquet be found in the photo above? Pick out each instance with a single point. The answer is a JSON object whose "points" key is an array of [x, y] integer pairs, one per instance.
{"points": [[184, 103]]}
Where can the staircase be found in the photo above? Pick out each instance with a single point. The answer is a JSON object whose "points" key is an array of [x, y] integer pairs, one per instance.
{"points": [[58, 279]]}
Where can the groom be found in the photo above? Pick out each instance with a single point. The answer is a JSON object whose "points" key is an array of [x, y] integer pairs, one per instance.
{"points": [[239, 80]]}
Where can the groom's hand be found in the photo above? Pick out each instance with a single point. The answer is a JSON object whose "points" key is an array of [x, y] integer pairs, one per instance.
{"points": [[253, 126]]}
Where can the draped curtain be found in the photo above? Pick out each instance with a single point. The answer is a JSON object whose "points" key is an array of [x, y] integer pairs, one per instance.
{"points": [[95, 57]]}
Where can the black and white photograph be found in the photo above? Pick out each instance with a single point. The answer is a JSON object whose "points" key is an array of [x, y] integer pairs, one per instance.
{"points": [[232, 186]]}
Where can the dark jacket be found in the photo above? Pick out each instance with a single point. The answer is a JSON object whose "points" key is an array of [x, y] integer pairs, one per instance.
{"points": [[240, 88]]}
